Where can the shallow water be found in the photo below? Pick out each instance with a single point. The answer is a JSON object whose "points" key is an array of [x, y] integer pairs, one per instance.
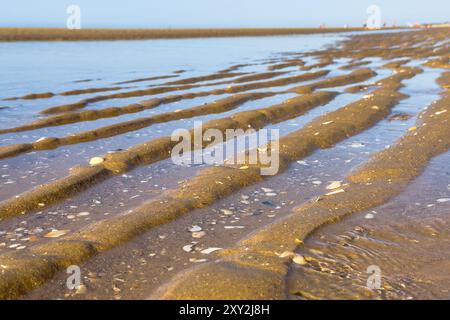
{"points": [[407, 239], [54, 66]]}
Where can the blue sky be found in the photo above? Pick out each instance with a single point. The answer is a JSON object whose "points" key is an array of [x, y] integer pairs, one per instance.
{"points": [[218, 13]]}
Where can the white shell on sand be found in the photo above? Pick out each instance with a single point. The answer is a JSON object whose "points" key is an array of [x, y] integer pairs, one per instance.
{"points": [[195, 229], [334, 185], [335, 192], [95, 161], [299, 259], [210, 250], [188, 248], [287, 254], [56, 233], [369, 216], [199, 234], [226, 212]]}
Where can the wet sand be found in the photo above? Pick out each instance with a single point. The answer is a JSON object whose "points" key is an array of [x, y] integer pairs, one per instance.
{"points": [[258, 230]]}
